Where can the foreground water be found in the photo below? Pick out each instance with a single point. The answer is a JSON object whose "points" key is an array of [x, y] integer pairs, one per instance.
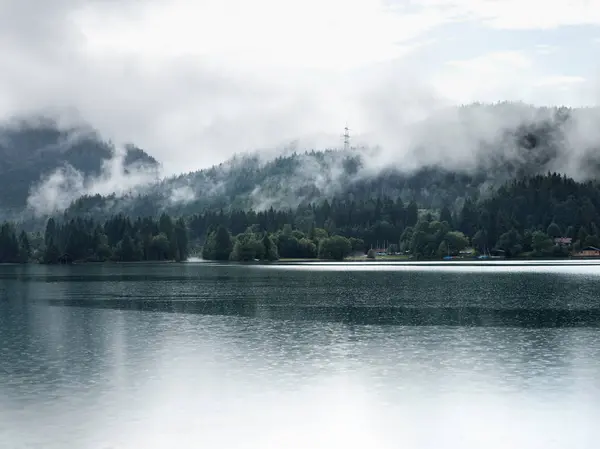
{"points": [[300, 356]]}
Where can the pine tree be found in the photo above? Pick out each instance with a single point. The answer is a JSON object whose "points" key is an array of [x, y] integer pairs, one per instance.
{"points": [[270, 250], [24, 247]]}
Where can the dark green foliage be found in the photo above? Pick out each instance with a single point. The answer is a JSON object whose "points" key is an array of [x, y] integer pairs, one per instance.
{"points": [[117, 239], [24, 247], [247, 247], [181, 239], [510, 243], [334, 248], [251, 245], [269, 249], [468, 218], [10, 252], [358, 245], [446, 215], [51, 254], [412, 214], [218, 245], [541, 243], [160, 247], [554, 231], [526, 217], [551, 204], [13, 248], [127, 250]]}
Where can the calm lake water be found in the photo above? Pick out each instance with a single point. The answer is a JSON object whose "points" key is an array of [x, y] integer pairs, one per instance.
{"points": [[202, 355]]}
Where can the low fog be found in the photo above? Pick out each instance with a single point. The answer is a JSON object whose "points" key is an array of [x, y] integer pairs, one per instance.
{"points": [[56, 191], [497, 140]]}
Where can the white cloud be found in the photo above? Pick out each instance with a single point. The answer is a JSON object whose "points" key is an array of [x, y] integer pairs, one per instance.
{"points": [[558, 81], [60, 188], [490, 77], [195, 82], [522, 14], [545, 49], [262, 34], [511, 76]]}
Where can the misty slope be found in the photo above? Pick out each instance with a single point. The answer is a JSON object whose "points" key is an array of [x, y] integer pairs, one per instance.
{"points": [[460, 152], [32, 149]]}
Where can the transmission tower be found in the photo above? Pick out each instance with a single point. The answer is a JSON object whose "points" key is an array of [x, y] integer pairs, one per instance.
{"points": [[346, 138]]}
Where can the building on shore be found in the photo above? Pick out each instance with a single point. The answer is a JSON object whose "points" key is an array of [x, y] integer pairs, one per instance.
{"points": [[588, 251]]}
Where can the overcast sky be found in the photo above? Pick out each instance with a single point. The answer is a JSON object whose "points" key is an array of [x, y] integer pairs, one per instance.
{"points": [[193, 82]]}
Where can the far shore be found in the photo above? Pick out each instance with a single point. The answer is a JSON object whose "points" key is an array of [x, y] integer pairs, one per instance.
{"points": [[474, 260], [404, 260]]}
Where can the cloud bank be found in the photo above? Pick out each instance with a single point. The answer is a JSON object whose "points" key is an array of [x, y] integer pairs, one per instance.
{"points": [[196, 82], [55, 192]]}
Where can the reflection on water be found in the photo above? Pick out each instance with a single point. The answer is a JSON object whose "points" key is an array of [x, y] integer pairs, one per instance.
{"points": [[530, 295], [512, 359]]}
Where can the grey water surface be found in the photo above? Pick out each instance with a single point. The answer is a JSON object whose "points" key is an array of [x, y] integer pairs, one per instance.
{"points": [[201, 355]]}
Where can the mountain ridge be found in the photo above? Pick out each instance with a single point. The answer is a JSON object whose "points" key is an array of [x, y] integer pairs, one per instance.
{"points": [[462, 153], [539, 140]]}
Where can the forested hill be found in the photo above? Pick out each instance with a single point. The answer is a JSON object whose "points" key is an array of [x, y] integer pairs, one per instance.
{"points": [[540, 216], [466, 152], [286, 182], [33, 148], [460, 153]]}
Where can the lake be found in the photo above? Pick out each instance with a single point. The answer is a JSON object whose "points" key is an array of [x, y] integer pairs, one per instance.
{"points": [[314, 355]]}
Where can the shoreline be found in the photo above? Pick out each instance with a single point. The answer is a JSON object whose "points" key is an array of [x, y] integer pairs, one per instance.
{"points": [[351, 261], [406, 260]]}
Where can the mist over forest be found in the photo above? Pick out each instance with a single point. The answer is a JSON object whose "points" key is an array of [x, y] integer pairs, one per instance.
{"points": [[454, 154]]}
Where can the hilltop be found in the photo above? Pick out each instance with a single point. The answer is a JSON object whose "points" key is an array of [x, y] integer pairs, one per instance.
{"points": [[458, 153]]}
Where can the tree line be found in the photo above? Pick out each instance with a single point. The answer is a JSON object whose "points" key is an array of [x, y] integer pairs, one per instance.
{"points": [[118, 239], [524, 217], [254, 244]]}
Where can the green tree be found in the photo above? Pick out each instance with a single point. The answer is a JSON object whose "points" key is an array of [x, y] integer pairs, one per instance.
{"points": [[541, 243], [247, 247], [9, 245], [50, 232], [182, 240], [510, 243], [456, 241], [357, 244], [166, 227], [412, 214], [480, 240], [52, 253], [160, 247], [446, 215], [126, 250], [443, 249], [468, 218], [307, 249], [334, 248], [24, 247], [270, 249], [554, 231], [582, 236], [219, 245], [592, 240]]}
